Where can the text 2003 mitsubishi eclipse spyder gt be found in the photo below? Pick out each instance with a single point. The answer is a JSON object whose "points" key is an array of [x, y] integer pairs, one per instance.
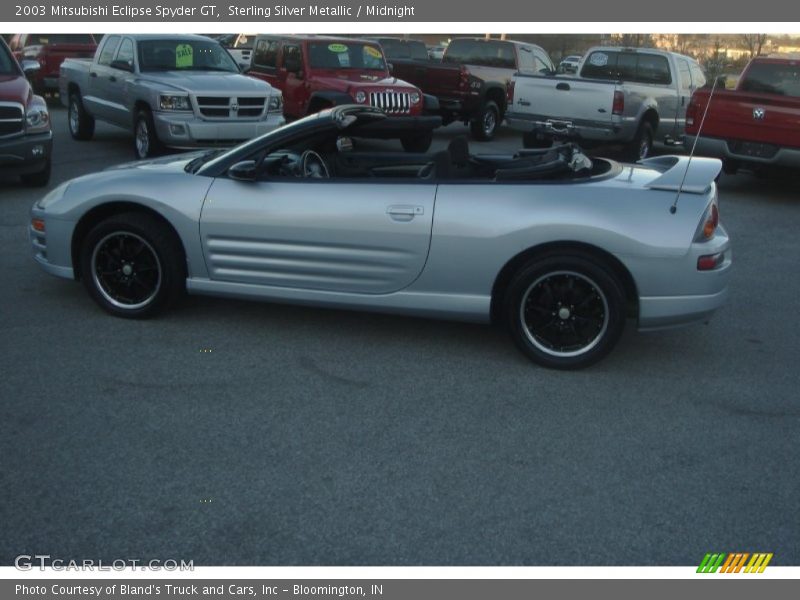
{"points": [[561, 248]]}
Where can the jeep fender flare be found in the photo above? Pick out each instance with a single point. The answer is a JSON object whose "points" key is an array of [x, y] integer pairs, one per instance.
{"points": [[332, 98]]}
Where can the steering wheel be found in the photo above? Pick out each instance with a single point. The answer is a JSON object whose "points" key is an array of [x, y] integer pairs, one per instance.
{"points": [[312, 166]]}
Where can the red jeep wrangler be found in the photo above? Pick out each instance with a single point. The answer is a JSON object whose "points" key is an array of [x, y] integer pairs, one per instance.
{"points": [[316, 72], [26, 140]]}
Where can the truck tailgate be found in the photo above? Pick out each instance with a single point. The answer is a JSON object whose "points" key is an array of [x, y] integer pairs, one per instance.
{"points": [[748, 116], [564, 98], [432, 78]]}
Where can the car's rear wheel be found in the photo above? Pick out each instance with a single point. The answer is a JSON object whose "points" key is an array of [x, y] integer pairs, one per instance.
{"points": [[81, 123], [486, 122], [417, 143], [133, 265], [145, 137], [565, 311]]}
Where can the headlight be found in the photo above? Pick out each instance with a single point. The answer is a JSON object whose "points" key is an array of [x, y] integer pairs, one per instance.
{"points": [[275, 103], [37, 119], [414, 97], [170, 102], [55, 194], [361, 97]]}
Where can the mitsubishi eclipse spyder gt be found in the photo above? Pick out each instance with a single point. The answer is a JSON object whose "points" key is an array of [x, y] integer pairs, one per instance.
{"points": [[561, 248]]}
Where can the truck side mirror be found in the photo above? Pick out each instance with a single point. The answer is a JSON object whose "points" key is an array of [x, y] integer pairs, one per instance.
{"points": [[122, 65]]}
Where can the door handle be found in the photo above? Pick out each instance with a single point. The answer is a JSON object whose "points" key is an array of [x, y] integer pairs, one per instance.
{"points": [[404, 210], [563, 87], [523, 102]]}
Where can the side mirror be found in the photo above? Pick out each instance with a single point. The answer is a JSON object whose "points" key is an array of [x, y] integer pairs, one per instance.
{"points": [[122, 65], [243, 171], [30, 67]]}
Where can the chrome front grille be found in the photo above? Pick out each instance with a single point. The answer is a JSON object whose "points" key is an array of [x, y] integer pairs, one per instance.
{"points": [[391, 102], [231, 107], [12, 119]]}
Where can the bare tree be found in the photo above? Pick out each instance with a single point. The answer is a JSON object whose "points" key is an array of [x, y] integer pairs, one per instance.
{"points": [[754, 42]]}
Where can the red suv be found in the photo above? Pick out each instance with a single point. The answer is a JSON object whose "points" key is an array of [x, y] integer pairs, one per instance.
{"points": [[50, 50], [316, 72], [26, 141]]}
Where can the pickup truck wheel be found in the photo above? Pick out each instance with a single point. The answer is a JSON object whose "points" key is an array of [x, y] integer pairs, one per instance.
{"points": [[642, 145], [418, 144], [486, 122], [132, 265], [145, 138], [40, 178], [81, 123], [565, 311]]}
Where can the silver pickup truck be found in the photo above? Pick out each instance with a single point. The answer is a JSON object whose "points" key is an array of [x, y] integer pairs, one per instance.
{"points": [[177, 91], [631, 96]]}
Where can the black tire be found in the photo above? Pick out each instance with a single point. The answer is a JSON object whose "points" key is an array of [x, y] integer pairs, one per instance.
{"points": [[642, 145], [133, 265], [80, 122], [531, 140], [485, 124], [40, 178], [418, 144], [565, 311], [145, 137]]}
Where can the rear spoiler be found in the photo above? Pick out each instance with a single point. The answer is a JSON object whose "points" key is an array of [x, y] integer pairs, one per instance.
{"points": [[683, 174]]}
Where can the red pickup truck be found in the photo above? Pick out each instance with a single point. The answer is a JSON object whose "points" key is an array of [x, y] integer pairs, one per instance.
{"points": [[26, 141], [50, 50], [754, 126], [316, 72]]}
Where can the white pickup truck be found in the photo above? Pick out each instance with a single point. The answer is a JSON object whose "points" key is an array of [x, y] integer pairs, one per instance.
{"points": [[636, 97], [171, 91]]}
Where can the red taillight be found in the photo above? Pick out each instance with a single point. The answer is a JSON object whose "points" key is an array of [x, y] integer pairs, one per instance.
{"points": [[510, 93], [709, 262], [712, 220], [691, 113], [619, 103], [463, 75]]}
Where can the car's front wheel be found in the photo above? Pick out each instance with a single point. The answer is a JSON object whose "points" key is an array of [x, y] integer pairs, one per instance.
{"points": [[565, 312], [133, 265], [145, 140]]}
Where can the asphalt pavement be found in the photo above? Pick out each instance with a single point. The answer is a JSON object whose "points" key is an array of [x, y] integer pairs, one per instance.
{"points": [[234, 433]]}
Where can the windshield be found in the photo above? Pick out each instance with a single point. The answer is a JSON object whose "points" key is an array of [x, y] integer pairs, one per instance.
{"points": [[8, 66], [771, 78], [184, 55], [350, 55], [43, 39], [404, 49]]}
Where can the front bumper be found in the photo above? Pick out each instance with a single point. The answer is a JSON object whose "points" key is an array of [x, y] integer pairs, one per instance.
{"points": [[54, 258], [26, 153], [719, 148], [185, 130]]}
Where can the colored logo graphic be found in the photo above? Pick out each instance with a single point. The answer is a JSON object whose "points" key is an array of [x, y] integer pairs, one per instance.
{"points": [[734, 562]]}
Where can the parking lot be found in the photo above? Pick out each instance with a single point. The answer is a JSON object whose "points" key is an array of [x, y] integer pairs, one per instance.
{"points": [[233, 433]]}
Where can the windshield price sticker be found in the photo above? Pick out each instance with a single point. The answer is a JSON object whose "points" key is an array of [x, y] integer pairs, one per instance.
{"points": [[373, 52], [338, 48], [184, 56]]}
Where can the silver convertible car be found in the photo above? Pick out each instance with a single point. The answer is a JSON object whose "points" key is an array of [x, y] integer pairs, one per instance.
{"points": [[561, 248]]}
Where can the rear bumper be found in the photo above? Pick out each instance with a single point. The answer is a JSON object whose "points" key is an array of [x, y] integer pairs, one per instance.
{"points": [[25, 154], [187, 131], [703, 292], [593, 131], [719, 148]]}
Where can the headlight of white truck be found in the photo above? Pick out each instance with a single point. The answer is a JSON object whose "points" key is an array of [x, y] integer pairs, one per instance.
{"points": [[174, 102], [37, 119], [275, 102]]}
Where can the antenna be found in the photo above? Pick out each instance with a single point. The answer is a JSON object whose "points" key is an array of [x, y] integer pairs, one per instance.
{"points": [[674, 208]]}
